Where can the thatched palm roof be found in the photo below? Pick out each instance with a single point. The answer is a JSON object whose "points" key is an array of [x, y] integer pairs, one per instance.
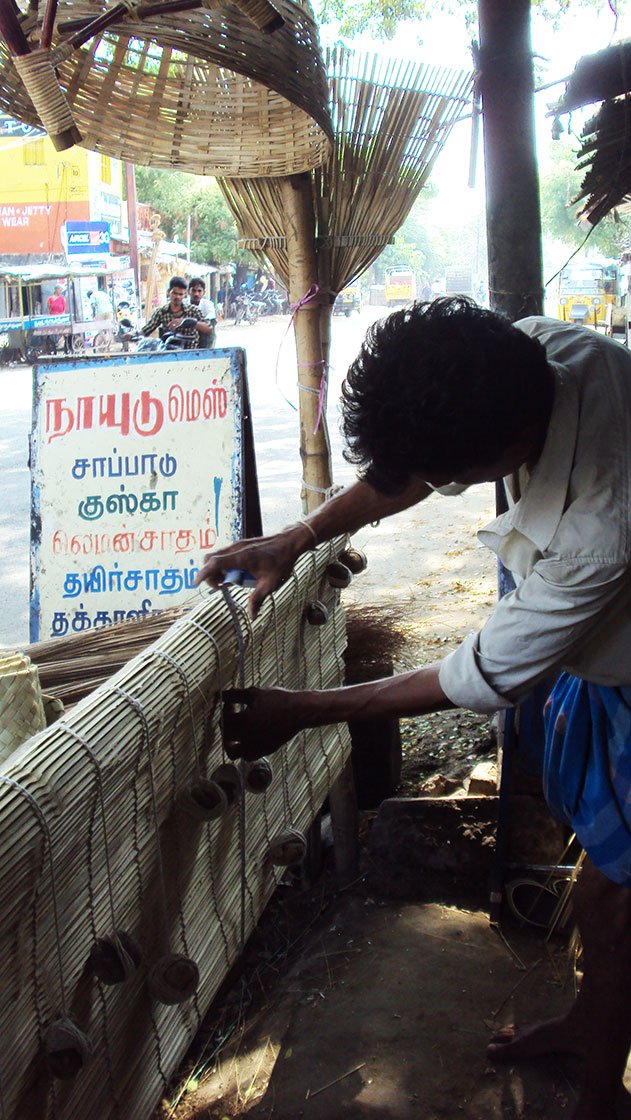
{"points": [[605, 155]]}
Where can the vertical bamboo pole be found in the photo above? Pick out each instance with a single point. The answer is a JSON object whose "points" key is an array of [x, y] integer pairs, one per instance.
{"points": [[132, 222], [315, 450], [513, 223], [150, 287], [324, 275]]}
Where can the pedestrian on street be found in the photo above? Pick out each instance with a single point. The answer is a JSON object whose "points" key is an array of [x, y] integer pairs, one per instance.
{"points": [[442, 396], [56, 305], [100, 304]]}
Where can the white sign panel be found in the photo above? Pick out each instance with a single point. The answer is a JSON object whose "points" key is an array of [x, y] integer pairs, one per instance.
{"points": [[136, 468]]}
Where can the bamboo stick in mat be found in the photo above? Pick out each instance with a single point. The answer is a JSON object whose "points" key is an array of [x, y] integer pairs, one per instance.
{"points": [[99, 837]]}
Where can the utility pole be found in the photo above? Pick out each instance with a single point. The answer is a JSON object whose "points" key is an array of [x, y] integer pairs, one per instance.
{"points": [[513, 226], [132, 221], [513, 217]]}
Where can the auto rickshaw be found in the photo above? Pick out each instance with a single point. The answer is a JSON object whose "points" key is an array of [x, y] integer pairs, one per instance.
{"points": [[348, 300], [29, 331]]}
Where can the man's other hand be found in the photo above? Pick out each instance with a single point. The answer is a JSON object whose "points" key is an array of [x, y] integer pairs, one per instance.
{"points": [[258, 721]]}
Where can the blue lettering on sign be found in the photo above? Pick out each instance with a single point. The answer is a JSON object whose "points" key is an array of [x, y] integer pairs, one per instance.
{"points": [[10, 127]]}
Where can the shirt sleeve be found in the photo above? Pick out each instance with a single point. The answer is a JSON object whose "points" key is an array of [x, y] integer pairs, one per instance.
{"points": [[151, 323], [534, 631]]}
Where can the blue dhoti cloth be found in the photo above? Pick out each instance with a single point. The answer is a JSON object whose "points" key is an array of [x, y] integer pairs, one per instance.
{"points": [[587, 769]]}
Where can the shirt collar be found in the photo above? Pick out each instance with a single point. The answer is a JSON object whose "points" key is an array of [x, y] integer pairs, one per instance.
{"points": [[543, 502]]}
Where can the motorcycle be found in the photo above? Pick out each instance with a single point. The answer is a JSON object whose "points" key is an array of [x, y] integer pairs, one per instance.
{"points": [[269, 302], [122, 333], [170, 340], [248, 309]]}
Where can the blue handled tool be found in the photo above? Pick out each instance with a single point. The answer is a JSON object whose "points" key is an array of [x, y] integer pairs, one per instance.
{"points": [[238, 577]]}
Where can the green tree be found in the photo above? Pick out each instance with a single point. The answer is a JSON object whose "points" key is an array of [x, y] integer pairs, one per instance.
{"points": [[381, 18], [559, 185], [402, 252], [177, 196]]}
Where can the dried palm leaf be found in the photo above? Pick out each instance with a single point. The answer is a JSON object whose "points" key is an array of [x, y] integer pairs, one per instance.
{"points": [[391, 120]]}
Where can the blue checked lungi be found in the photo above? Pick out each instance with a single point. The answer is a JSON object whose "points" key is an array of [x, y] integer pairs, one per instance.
{"points": [[587, 769]]}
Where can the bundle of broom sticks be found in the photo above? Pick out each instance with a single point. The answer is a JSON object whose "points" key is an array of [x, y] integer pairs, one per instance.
{"points": [[73, 666]]}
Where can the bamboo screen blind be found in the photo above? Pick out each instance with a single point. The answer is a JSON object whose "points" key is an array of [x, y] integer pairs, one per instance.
{"points": [[391, 119], [94, 821]]}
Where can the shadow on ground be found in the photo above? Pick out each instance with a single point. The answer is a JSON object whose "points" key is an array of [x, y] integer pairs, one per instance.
{"points": [[386, 1016]]}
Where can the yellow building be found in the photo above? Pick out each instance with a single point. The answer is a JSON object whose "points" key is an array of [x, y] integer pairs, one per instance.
{"points": [[41, 190]]}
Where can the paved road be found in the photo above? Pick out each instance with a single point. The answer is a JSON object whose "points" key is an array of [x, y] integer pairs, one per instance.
{"points": [[272, 378]]}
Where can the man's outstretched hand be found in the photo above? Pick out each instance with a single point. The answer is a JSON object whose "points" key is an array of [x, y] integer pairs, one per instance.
{"points": [[258, 721], [269, 559]]}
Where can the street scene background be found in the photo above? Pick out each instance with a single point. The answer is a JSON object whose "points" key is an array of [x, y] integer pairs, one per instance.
{"points": [[428, 547]]}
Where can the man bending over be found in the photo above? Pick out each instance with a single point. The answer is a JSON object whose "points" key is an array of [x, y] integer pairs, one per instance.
{"points": [[442, 396]]}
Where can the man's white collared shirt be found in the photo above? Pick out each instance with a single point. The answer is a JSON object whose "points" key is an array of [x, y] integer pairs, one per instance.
{"points": [[566, 538]]}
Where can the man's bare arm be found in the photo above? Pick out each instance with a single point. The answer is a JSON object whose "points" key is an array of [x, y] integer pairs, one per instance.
{"points": [[359, 505], [271, 559], [258, 721]]}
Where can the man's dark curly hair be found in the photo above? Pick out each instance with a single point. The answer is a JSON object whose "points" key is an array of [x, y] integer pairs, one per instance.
{"points": [[439, 388]]}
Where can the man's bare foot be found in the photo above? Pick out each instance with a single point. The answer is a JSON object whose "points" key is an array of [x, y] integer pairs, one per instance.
{"points": [[556, 1036]]}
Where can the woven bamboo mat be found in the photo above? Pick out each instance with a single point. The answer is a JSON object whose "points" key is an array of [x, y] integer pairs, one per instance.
{"points": [[96, 837]]}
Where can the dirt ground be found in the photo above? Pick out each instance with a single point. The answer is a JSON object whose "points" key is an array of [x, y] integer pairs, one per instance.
{"points": [[353, 1006], [385, 1016]]}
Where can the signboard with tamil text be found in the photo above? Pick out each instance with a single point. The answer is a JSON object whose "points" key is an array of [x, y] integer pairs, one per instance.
{"points": [[40, 323], [141, 464]]}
